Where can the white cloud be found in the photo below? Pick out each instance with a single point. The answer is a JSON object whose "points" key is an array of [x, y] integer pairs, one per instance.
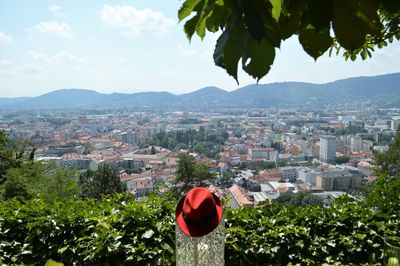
{"points": [[13, 70], [6, 63], [61, 57], [184, 52], [56, 10], [135, 22], [5, 39], [32, 69], [58, 29]]}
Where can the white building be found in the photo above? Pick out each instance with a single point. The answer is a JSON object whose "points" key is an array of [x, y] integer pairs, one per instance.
{"points": [[356, 144], [346, 119], [327, 149], [140, 186], [289, 173], [367, 145], [129, 137], [307, 175], [262, 153], [394, 124]]}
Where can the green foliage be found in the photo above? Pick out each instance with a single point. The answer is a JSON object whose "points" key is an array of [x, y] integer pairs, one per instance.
{"points": [[15, 189], [53, 263], [384, 194], [229, 174], [388, 163], [190, 173], [342, 159], [116, 231], [345, 233], [7, 159], [302, 198], [112, 231], [252, 30], [350, 130], [205, 142], [103, 181], [384, 139], [62, 184], [35, 179]]}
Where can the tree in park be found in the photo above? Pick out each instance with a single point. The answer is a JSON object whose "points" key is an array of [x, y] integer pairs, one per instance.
{"points": [[7, 158], [342, 159], [252, 30], [190, 173], [385, 192], [39, 180], [103, 181]]}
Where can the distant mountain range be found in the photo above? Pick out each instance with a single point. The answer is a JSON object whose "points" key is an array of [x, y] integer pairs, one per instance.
{"points": [[383, 90]]}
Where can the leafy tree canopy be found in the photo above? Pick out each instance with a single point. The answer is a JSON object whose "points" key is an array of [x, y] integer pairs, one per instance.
{"points": [[103, 181], [252, 30], [385, 192], [36, 179], [7, 158], [191, 174], [206, 142], [302, 198], [342, 159]]}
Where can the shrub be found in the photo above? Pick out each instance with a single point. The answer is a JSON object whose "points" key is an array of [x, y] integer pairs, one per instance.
{"points": [[117, 230]]}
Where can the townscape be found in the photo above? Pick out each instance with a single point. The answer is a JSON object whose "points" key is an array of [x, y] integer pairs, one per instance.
{"points": [[200, 132], [254, 155]]}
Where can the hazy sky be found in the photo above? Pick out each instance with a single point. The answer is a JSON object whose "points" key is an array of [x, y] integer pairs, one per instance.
{"points": [[131, 46]]}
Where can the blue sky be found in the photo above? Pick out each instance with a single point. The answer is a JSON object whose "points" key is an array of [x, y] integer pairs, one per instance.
{"points": [[132, 46]]}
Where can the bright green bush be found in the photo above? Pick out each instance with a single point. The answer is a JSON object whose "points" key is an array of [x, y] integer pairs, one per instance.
{"points": [[113, 231], [117, 231], [345, 233]]}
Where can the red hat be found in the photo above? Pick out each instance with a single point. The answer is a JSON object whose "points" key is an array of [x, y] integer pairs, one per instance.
{"points": [[199, 212]]}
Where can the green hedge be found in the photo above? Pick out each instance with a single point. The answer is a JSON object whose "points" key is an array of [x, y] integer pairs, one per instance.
{"points": [[117, 231], [113, 231], [344, 233]]}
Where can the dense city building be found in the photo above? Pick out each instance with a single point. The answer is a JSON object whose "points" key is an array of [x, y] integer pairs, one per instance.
{"points": [[327, 149]]}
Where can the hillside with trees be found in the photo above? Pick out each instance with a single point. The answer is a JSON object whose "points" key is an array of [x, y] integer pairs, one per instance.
{"points": [[207, 142]]}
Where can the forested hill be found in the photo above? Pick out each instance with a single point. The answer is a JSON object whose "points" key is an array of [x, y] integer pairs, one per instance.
{"points": [[382, 90]]}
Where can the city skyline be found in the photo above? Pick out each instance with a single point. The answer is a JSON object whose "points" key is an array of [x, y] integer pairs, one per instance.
{"points": [[136, 46]]}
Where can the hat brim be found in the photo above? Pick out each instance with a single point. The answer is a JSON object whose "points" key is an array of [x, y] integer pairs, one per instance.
{"points": [[198, 230]]}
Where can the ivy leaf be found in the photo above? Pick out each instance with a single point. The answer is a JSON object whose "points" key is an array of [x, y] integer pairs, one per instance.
{"points": [[167, 247], [148, 234], [261, 56], [353, 20], [53, 263], [300, 243], [360, 236], [187, 8], [315, 42]]}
